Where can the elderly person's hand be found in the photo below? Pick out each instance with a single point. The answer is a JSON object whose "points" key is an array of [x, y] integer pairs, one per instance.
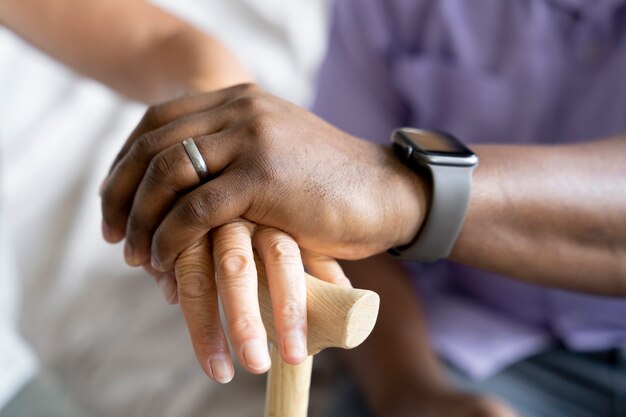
{"points": [[272, 163], [223, 263]]}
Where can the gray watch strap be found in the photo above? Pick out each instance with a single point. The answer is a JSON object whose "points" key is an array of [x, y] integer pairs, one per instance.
{"points": [[451, 187]]}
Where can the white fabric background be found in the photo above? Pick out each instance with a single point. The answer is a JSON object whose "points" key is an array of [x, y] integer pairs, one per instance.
{"points": [[17, 362], [102, 327]]}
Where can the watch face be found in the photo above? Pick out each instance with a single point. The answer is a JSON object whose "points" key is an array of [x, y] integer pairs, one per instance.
{"points": [[435, 147]]}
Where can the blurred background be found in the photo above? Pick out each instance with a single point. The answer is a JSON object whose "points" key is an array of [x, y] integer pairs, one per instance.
{"points": [[99, 327]]}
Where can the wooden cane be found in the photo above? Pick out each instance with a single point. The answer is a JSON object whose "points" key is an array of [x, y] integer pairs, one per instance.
{"points": [[337, 317]]}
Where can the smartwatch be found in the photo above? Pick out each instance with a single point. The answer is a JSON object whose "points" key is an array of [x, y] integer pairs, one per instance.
{"points": [[449, 164]]}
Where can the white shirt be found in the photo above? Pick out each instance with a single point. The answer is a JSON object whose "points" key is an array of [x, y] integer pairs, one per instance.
{"points": [[17, 362]]}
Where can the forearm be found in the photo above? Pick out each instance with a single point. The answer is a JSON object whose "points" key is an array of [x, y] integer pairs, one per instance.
{"points": [[132, 46], [187, 61], [551, 215]]}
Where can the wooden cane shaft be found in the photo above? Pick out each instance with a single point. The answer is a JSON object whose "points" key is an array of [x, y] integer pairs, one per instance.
{"points": [[336, 317], [287, 393]]}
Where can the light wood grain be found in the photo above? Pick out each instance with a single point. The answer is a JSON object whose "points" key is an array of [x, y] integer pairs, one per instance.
{"points": [[336, 317], [287, 393]]}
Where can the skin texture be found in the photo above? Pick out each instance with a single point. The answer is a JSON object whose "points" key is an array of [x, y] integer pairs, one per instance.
{"points": [[551, 215], [274, 164], [223, 265], [146, 54]]}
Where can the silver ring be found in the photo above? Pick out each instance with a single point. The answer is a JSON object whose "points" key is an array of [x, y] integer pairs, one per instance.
{"points": [[196, 159]]}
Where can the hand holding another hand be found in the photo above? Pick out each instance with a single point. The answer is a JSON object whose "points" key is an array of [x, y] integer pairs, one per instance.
{"points": [[272, 163], [273, 166]]}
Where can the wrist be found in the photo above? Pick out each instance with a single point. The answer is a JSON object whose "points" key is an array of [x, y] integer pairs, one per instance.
{"points": [[449, 165], [412, 192], [191, 62], [222, 71]]}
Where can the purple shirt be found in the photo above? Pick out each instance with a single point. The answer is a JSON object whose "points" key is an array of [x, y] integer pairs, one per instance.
{"points": [[488, 71]]}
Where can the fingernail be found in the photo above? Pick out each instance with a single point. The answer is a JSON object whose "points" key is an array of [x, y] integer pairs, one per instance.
{"points": [[295, 345], [168, 288], [221, 369], [255, 355]]}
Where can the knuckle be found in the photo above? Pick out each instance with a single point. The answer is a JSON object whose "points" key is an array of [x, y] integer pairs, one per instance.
{"points": [[247, 88], [149, 142], [292, 313], [251, 131], [283, 249], [195, 286], [234, 263], [249, 104], [257, 129], [245, 325], [263, 122], [144, 147], [262, 170], [195, 210], [211, 337], [160, 167]]}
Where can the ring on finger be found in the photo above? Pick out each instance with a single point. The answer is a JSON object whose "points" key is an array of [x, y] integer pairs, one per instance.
{"points": [[196, 160]]}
